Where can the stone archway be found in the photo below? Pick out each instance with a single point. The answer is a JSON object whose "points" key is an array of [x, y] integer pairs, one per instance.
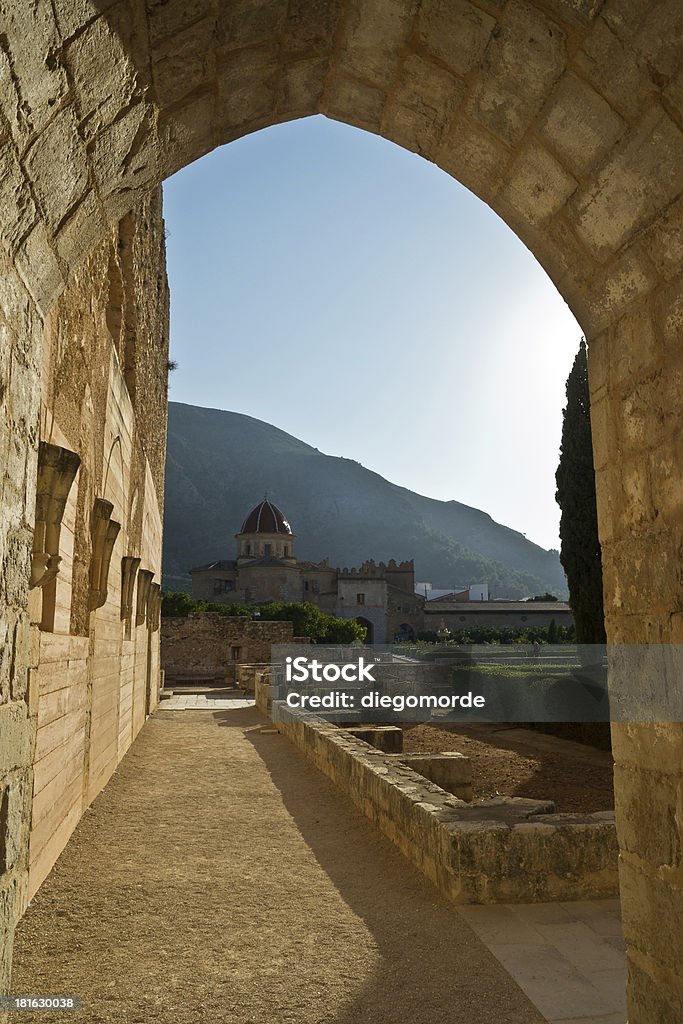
{"points": [[566, 116], [405, 632], [369, 628]]}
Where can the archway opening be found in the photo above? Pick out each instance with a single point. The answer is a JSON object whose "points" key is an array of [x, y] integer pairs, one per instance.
{"points": [[369, 628], [130, 94]]}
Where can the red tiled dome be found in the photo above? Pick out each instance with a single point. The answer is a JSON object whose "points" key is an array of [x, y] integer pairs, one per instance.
{"points": [[266, 518]]}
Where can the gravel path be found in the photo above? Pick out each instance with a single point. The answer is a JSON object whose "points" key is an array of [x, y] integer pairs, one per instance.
{"points": [[219, 878]]}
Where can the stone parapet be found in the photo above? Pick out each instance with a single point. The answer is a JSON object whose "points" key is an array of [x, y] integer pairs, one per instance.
{"points": [[388, 738], [448, 769], [506, 850], [248, 674], [263, 695]]}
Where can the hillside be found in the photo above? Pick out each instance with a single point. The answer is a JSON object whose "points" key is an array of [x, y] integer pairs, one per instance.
{"points": [[220, 464]]}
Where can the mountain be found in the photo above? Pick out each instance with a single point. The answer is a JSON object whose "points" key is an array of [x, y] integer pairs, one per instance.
{"points": [[220, 464]]}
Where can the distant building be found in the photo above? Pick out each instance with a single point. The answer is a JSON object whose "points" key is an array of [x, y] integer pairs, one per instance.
{"points": [[495, 614], [381, 597], [475, 592]]}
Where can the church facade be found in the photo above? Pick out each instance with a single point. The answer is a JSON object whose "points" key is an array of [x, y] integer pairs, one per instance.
{"points": [[380, 596]]}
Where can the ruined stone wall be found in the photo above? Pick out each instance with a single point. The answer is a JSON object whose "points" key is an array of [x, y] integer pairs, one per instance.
{"points": [[207, 645], [508, 850]]}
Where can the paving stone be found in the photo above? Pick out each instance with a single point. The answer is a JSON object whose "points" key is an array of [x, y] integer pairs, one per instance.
{"points": [[557, 955]]}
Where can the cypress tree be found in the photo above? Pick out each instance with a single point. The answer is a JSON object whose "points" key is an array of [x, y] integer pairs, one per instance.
{"points": [[575, 478]]}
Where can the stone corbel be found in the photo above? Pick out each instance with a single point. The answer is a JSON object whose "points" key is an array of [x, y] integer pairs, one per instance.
{"points": [[129, 570], [104, 532], [145, 578], [57, 468], [154, 607]]}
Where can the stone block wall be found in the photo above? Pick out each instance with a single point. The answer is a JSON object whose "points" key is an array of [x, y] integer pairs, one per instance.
{"points": [[76, 681], [449, 770], [504, 850], [246, 675], [94, 673], [211, 646], [20, 345]]}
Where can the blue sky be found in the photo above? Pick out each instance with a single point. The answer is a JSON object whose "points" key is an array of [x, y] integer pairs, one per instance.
{"points": [[349, 292]]}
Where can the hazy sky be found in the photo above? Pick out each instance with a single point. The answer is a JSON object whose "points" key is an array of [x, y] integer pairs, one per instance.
{"points": [[354, 295]]}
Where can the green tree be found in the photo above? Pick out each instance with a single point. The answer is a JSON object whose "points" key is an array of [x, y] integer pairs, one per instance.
{"points": [[309, 621], [306, 618], [178, 604], [580, 547]]}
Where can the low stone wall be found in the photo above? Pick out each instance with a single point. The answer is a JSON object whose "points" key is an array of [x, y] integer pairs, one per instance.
{"points": [[388, 738], [507, 850], [262, 693], [248, 674], [449, 770]]}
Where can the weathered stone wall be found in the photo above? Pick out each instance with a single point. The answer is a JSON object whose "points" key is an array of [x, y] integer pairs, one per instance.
{"points": [[404, 608], [261, 583], [247, 675], [217, 585], [207, 645], [20, 341], [94, 676], [74, 689], [506, 850], [566, 116]]}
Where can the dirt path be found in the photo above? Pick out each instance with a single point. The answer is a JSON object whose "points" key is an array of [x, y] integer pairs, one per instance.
{"points": [[517, 762], [219, 878]]}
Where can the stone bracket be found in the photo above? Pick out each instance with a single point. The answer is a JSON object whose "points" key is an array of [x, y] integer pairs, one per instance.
{"points": [[154, 607], [129, 571], [57, 468], [145, 577], [104, 532]]}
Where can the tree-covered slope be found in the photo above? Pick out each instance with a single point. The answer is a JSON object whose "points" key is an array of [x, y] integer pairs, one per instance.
{"points": [[220, 464]]}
